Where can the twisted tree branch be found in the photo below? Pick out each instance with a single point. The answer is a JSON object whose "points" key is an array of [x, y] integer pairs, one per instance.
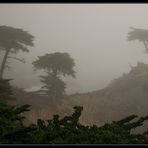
{"points": [[21, 60]]}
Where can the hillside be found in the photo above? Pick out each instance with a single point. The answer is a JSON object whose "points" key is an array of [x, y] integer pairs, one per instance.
{"points": [[124, 96]]}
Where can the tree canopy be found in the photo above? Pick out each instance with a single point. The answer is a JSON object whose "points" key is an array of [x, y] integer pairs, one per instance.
{"points": [[140, 35], [13, 40], [55, 65], [59, 63]]}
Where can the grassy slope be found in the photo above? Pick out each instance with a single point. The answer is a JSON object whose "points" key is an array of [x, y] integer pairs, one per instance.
{"points": [[124, 96]]}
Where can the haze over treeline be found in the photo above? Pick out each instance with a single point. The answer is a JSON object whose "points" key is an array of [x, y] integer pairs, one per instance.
{"points": [[86, 57], [95, 35]]}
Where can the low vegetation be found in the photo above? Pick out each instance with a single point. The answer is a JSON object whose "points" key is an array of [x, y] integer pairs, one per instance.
{"points": [[65, 130]]}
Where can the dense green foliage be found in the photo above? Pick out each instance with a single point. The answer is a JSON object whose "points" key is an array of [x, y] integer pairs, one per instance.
{"points": [[66, 130]]}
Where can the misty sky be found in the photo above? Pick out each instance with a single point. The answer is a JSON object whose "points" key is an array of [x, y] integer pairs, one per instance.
{"points": [[95, 35]]}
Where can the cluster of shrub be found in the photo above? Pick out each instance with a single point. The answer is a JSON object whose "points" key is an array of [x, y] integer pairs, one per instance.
{"points": [[66, 130]]}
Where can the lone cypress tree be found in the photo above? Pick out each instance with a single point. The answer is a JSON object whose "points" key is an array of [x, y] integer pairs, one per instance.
{"points": [[139, 34], [55, 65], [13, 40]]}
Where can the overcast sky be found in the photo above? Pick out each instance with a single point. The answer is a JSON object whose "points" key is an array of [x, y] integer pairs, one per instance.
{"points": [[95, 35]]}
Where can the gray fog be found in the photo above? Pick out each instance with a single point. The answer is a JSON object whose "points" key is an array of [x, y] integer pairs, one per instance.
{"points": [[95, 35]]}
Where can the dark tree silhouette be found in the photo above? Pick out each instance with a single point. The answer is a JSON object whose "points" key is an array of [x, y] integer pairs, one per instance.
{"points": [[55, 65], [13, 40], [5, 90], [140, 35]]}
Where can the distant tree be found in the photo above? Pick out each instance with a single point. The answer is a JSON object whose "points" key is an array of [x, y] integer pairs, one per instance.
{"points": [[13, 40], [55, 65], [140, 35]]}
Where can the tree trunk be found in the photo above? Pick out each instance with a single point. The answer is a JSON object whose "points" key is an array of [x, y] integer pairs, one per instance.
{"points": [[146, 45], [3, 63]]}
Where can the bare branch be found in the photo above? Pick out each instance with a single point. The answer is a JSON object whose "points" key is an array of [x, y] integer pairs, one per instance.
{"points": [[21, 60]]}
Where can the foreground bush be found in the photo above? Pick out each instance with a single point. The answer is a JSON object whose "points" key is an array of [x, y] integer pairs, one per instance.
{"points": [[66, 130]]}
